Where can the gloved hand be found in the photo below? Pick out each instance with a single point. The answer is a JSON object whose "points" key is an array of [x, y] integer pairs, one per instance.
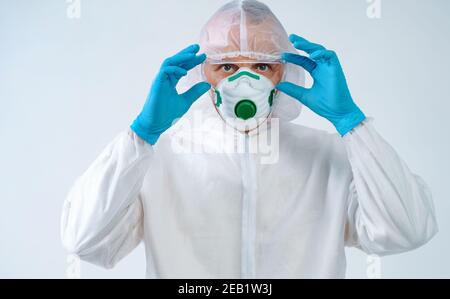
{"points": [[329, 96], [164, 104]]}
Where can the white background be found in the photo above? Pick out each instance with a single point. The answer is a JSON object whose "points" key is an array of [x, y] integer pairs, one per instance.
{"points": [[68, 86]]}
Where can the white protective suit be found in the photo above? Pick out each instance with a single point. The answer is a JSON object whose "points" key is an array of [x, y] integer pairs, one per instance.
{"points": [[227, 215]]}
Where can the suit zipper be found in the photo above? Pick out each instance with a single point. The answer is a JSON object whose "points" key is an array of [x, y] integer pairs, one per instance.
{"points": [[248, 241]]}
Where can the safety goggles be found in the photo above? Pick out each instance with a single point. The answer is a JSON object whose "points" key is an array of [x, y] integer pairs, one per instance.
{"points": [[231, 61]]}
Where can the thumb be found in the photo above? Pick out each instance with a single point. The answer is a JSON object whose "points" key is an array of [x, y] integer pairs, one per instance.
{"points": [[196, 92], [295, 91]]}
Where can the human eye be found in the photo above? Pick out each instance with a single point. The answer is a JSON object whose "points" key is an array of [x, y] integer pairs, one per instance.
{"points": [[228, 68], [262, 67]]}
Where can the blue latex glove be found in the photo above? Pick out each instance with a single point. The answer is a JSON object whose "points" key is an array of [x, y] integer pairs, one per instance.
{"points": [[164, 104], [329, 96]]}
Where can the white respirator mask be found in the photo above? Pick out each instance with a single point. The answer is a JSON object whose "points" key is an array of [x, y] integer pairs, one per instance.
{"points": [[244, 100]]}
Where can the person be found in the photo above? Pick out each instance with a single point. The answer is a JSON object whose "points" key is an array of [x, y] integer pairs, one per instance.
{"points": [[216, 214]]}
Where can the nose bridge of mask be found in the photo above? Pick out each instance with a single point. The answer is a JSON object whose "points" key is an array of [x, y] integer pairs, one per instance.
{"points": [[244, 106], [244, 72], [245, 81]]}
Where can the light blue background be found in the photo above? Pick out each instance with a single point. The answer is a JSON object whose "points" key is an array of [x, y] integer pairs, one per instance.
{"points": [[68, 86]]}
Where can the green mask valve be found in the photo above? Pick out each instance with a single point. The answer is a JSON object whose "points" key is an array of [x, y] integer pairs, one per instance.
{"points": [[245, 109]]}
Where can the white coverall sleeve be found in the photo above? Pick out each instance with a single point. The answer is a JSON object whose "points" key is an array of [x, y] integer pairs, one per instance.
{"points": [[102, 215], [390, 209]]}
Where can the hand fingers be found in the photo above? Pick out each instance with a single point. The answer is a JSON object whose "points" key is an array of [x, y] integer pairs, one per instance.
{"points": [[186, 61], [304, 45], [196, 91], [174, 71], [190, 64], [293, 90], [192, 49], [182, 56], [178, 59], [306, 63], [323, 54]]}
